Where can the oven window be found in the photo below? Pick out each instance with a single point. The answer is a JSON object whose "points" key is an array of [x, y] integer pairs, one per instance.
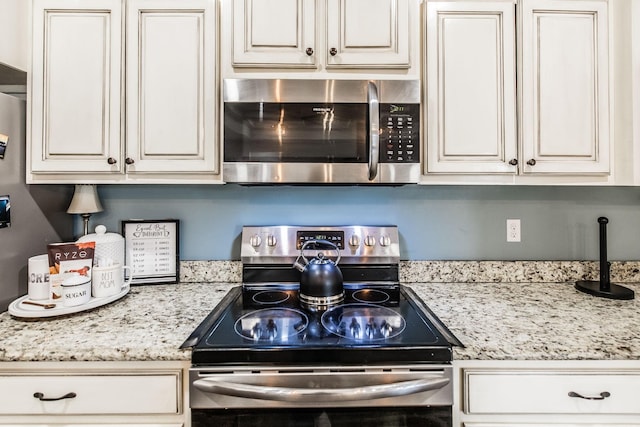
{"points": [[295, 132], [342, 417]]}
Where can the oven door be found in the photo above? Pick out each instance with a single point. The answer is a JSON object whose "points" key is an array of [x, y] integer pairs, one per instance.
{"points": [[332, 396], [419, 416]]}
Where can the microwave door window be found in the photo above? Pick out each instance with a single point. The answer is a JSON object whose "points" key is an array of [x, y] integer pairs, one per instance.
{"points": [[304, 132]]}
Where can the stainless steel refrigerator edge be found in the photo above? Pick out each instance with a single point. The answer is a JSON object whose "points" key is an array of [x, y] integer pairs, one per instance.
{"points": [[38, 214]]}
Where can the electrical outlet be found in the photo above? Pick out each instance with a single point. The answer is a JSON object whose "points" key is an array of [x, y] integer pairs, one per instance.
{"points": [[513, 230]]}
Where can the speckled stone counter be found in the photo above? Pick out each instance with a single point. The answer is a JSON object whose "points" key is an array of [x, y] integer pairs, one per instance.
{"points": [[149, 323], [538, 321], [500, 321]]}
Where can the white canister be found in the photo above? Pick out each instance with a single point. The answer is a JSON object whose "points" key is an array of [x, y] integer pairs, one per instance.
{"points": [[76, 290], [38, 288], [109, 247]]}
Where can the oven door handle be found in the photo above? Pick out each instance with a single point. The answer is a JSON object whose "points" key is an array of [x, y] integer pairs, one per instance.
{"points": [[374, 129], [379, 391]]}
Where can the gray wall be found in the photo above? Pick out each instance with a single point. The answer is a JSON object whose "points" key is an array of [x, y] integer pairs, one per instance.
{"points": [[435, 222], [38, 214]]}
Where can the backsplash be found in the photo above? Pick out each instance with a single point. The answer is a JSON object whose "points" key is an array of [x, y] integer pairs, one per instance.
{"points": [[449, 271]]}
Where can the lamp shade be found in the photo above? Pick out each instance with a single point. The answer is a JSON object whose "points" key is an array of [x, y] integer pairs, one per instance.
{"points": [[85, 200]]}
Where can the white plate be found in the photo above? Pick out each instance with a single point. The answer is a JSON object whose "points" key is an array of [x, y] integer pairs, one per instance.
{"points": [[18, 309]]}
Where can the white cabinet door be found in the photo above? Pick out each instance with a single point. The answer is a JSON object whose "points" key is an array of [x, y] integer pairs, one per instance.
{"points": [[171, 86], [470, 87], [75, 92], [551, 392], [56, 394], [274, 33], [368, 33], [14, 23], [565, 86]]}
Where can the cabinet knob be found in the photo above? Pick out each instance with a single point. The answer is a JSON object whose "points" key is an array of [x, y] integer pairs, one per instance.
{"points": [[309, 51], [333, 51], [129, 161], [513, 162], [111, 161], [532, 162]]}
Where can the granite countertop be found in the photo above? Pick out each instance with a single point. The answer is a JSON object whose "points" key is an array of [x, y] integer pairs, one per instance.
{"points": [[496, 321]]}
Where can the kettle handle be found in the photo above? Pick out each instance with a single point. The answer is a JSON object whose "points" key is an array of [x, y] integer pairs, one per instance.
{"points": [[319, 242]]}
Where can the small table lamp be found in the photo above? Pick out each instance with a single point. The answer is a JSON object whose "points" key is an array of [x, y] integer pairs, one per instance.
{"points": [[85, 202]]}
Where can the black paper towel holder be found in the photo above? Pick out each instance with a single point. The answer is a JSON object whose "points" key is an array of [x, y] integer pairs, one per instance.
{"points": [[604, 288]]}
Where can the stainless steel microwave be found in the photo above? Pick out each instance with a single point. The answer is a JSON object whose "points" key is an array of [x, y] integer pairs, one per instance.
{"points": [[321, 131]]}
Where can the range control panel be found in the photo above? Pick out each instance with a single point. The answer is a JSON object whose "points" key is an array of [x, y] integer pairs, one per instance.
{"points": [[357, 244], [399, 133]]}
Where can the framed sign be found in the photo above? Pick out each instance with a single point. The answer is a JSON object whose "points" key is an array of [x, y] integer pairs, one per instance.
{"points": [[152, 250]]}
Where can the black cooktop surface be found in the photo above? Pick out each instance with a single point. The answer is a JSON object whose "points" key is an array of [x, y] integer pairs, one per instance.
{"points": [[372, 326]]}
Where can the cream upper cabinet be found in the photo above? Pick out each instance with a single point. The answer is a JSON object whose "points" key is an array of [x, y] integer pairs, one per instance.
{"points": [[367, 33], [75, 86], [14, 23], [124, 91], [274, 33], [552, 120], [313, 34], [471, 87], [565, 86], [171, 86]]}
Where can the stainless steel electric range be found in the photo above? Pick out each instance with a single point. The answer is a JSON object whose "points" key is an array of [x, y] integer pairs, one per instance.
{"points": [[379, 357]]}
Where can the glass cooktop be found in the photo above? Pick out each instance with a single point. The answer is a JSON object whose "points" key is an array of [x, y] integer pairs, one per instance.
{"points": [[267, 325]]}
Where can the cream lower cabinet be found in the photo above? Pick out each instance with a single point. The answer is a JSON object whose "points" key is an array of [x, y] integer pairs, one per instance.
{"points": [[538, 393], [559, 52], [99, 116], [293, 33], [93, 393]]}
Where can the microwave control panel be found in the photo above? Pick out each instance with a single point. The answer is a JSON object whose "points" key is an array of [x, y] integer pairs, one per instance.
{"points": [[399, 133]]}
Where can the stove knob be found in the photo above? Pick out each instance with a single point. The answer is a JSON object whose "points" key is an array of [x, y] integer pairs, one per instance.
{"points": [[271, 240], [256, 331], [272, 330], [255, 240], [370, 241], [385, 240], [386, 329], [370, 329], [354, 240], [355, 329]]}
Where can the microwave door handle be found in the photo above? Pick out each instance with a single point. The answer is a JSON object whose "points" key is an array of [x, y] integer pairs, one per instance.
{"points": [[289, 394], [374, 130]]}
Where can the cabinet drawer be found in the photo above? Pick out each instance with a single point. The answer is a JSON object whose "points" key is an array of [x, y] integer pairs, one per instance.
{"points": [[527, 392], [90, 394]]}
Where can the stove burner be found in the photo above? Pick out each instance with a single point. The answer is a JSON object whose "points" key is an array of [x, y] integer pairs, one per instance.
{"points": [[270, 297], [363, 322], [371, 296], [271, 324]]}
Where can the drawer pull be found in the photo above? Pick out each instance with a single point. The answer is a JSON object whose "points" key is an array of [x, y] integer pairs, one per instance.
{"points": [[602, 396], [40, 396]]}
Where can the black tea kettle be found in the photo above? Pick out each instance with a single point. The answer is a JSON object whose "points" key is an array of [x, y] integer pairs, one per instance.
{"points": [[321, 279]]}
